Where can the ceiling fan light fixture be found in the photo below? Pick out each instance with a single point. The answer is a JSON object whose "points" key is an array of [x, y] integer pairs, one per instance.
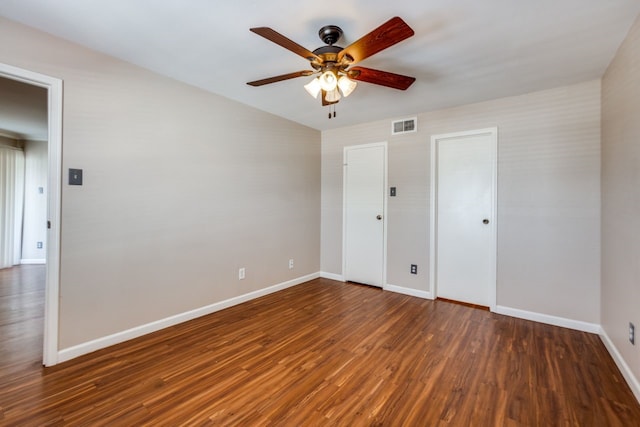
{"points": [[328, 80], [313, 87], [332, 95], [331, 64], [346, 85]]}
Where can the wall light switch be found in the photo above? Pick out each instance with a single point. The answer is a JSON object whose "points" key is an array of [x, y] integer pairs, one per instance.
{"points": [[392, 192], [75, 176]]}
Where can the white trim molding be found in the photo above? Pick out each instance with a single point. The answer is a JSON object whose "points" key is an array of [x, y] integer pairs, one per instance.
{"points": [[408, 291], [138, 331], [32, 261], [332, 276], [549, 319], [631, 379]]}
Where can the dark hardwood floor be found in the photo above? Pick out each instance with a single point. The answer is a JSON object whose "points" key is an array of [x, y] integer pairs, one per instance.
{"points": [[321, 353], [21, 317]]}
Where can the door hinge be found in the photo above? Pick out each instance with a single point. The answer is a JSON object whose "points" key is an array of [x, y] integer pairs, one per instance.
{"points": [[49, 225]]}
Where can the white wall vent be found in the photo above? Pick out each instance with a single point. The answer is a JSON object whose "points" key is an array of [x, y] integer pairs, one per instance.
{"points": [[404, 126]]}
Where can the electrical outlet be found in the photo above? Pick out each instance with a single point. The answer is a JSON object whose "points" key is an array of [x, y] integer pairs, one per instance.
{"points": [[632, 334], [291, 264], [414, 269], [241, 273], [39, 245]]}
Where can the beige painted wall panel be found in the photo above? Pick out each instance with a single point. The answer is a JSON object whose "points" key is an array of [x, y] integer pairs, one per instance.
{"points": [[181, 188], [621, 198], [11, 142], [34, 226], [548, 197]]}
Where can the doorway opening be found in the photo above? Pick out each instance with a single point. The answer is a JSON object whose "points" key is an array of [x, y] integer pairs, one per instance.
{"points": [[53, 163]]}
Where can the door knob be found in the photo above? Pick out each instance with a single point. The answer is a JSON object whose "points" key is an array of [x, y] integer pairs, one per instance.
{"points": [[485, 221], [379, 217]]}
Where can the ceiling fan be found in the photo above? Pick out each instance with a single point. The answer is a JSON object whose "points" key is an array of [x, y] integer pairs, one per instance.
{"points": [[333, 64]]}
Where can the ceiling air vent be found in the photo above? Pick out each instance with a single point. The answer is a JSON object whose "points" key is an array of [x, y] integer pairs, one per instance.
{"points": [[404, 126]]}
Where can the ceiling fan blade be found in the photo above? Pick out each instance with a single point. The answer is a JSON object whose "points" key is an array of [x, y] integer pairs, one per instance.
{"points": [[281, 40], [391, 32], [280, 78], [383, 78]]}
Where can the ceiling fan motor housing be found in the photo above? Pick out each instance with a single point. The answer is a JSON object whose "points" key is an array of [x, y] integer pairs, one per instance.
{"points": [[328, 55]]}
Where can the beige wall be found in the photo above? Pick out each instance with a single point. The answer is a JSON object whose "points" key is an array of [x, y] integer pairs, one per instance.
{"points": [[34, 225], [11, 142], [181, 188], [548, 197], [621, 199], [23, 110]]}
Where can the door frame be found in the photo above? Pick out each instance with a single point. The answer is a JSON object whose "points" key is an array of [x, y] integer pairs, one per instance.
{"points": [[346, 149], [54, 190], [433, 209]]}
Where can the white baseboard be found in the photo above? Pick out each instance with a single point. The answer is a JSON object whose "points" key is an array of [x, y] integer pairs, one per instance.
{"points": [[408, 291], [628, 375], [33, 261], [332, 276], [549, 319], [387, 287], [109, 340]]}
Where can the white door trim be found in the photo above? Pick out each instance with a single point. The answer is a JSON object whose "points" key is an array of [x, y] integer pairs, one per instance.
{"points": [[344, 208], [493, 133], [54, 186]]}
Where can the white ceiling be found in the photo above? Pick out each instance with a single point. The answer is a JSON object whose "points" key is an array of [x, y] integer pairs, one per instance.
{"points": [[463, 51]]}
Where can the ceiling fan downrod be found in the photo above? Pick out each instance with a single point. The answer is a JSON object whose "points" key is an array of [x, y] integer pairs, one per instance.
{"points": [[330, 34]]}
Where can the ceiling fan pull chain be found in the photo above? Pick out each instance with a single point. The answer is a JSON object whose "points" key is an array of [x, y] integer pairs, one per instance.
{"points": [[332, 107]]}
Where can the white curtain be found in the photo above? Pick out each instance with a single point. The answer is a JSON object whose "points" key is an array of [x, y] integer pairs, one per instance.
{"points": [[11, 205]]}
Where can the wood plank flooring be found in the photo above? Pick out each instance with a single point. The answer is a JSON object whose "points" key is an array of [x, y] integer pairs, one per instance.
{"points": [[326, 353], [21, 316]]}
